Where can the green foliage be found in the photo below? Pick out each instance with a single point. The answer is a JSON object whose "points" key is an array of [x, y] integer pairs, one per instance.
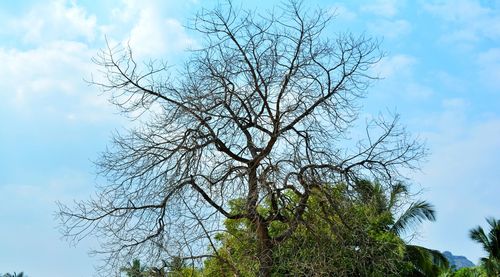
{"points": [[426, 262], [238, 253], [340, 235], [176, 264], [421, 261], [343, 232], [175, 268], [135, 269], [477, 271], [323, 248]]}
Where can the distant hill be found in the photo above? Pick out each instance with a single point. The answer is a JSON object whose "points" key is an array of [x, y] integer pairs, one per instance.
{"points": [[457, 261]]}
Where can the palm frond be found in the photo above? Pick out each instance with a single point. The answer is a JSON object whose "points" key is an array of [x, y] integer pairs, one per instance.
{"points": [[417, 212], [494, 237], [491, 245], [493, 222], [477, 234], [426, 262], [396, 191], [491, 265]]}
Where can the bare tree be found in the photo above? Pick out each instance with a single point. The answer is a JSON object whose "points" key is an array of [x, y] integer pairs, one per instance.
{"points": [[260, 111]]}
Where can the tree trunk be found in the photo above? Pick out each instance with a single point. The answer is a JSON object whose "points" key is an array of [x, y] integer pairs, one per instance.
{"points": [[261, 227], [265, 249]]}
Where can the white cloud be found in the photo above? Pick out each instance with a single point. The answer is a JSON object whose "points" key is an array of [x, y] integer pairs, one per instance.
{"points": [[461, 176], [150, 30], [451, 82], [468, 21], [68, 185], [56, 20], [489, 67], [341, 12], [387, 8], [418, 91], [128, 10], [455, 103], [464, 151], [460, 10], [49, 80], [153, 35], [47, 76], [31, 239], [393, 65], [390, 28]]}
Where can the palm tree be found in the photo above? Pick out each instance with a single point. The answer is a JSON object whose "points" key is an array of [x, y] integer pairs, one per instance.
{"points": [[417, 212], [135, 269], [491, 244], [425, 262]]}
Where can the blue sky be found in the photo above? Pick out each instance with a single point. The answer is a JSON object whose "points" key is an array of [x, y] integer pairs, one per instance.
{"points": [[441, 72]]}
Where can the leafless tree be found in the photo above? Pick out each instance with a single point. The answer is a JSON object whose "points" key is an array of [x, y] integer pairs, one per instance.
{"points": [[261, 110]]}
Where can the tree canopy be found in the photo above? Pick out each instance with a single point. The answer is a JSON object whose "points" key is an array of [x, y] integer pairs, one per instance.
{"points": [[359, 238], [254, 128]]}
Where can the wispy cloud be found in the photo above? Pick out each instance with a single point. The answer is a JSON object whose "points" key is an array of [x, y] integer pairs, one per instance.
{"points": [[387, 8], [461, 176], [153, 35], [49, 80], [466, 21], [489, 67], [150, 29], [47, 76], [341, 12], [390, 28], [399, 80], [395, 64], [56, 20], [387, 22], [29, 233], [417, 91]]}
